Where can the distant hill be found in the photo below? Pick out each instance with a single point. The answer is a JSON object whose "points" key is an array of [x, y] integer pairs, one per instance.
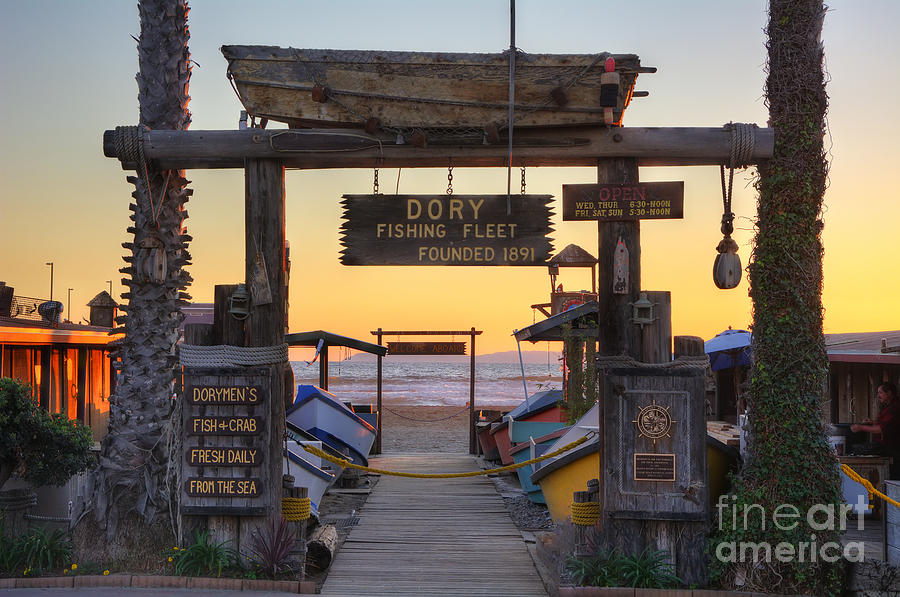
{"points": [[532, 357]]}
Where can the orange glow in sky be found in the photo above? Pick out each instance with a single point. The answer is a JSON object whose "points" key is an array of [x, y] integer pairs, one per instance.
{"points": [[68, 74]]}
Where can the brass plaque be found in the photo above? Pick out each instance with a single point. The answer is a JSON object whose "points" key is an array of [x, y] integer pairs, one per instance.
{"points": [[654, 467]]}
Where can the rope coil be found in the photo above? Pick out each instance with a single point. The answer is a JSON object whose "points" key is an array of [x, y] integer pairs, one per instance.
{"points": [[295, 509], [225, 355], [585, 514], [682, 362], [343, 463]]}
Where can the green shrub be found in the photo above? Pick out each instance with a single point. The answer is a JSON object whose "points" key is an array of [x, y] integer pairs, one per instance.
{"points": [[204, 557], [41, 549], [41, 448], [647, 570]]}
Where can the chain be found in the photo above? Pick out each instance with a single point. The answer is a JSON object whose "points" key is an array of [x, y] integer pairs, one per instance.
{"points": [[450, 179], [375, 183], [523, 177]]}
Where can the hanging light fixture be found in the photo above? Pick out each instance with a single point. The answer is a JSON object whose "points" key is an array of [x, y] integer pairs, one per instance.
{"points": [[239, 305]]}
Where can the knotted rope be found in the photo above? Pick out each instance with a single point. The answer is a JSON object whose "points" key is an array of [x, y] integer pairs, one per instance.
{"points": [[295, 509], [225, 355], [585, 513], [129, 144], [743, 140]]}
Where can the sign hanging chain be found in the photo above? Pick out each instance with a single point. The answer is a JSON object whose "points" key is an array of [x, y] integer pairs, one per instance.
{"points": [[523, 177], [512, 100], [450, 177]]}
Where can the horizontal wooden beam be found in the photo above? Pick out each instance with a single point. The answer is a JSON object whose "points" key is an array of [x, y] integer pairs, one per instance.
{"points": [[346, 148]]}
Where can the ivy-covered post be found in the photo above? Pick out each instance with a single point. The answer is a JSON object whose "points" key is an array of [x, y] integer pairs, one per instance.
{"points": [[791, 476]]}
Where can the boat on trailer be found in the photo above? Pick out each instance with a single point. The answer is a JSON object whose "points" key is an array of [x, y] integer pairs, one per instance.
{"points": [[432, 92]]}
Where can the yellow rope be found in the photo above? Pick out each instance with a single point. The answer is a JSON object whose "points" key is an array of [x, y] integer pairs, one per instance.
{"points": [[347, 464], [868, 485], [295, 509], [585, 513]]}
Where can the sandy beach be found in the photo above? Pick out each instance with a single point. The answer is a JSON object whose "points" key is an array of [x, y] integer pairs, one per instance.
{"points": [[426, 428]]}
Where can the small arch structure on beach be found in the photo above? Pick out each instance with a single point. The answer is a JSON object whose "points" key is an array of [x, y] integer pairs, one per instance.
{"points": [[380, 333]]}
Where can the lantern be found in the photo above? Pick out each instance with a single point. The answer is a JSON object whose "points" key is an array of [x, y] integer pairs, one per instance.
{"points": [[239, 306], [727, 266], [642, 311]]}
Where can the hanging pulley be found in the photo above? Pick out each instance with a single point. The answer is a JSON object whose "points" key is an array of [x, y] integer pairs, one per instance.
{"points": [[727, 266]]}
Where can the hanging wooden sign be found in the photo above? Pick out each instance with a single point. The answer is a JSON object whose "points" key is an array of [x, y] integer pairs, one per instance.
{"points": [[426, 348], [446, 230], [636, 201]]}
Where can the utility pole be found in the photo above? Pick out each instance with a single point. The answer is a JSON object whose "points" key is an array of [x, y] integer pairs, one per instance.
{"points": [[50, 263]]}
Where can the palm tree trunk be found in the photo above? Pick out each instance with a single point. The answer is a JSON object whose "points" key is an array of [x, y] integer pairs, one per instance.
{"points": [[135, 454]]}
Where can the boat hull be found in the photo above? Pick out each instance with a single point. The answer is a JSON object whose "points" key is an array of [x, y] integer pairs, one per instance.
{"points": [[312, 87], [527, 451], [570, 473], [306, 474], [320, 413]]}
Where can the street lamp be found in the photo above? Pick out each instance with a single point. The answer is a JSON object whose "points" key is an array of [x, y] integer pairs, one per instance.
{"points": [[69, 304], [50, 263]]}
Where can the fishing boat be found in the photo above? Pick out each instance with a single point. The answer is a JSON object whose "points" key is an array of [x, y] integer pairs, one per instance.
{"points": [[529, 450], [321, 413], [307, 472], [560, 476], [541, 407], [399, 91]]}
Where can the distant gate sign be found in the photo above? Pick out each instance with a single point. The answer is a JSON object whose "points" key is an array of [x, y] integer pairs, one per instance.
{"points": [[636, 201], [446, 230], [426, 348]]}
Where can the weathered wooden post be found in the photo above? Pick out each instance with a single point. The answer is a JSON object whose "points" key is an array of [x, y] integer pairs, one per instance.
{"points": [[234, 399]]}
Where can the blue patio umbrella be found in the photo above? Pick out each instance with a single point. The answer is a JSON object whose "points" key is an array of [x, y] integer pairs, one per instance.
{"points": [[728, 349]]}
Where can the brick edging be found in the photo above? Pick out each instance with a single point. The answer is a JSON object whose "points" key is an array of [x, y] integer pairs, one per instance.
{"points": [[158, 582]]}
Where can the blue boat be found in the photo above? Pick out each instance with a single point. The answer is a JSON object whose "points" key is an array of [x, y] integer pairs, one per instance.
{"points": [[321, 414], [527, 450]]}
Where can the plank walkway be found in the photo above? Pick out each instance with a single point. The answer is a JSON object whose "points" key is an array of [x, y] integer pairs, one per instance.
{"points": [[433, 537]]}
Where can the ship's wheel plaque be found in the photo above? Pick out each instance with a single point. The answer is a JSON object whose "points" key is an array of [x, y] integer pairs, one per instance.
{"points": [[654, 421]]}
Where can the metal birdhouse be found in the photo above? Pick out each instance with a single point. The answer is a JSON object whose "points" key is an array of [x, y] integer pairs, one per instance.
{"points": [[152, 262]]}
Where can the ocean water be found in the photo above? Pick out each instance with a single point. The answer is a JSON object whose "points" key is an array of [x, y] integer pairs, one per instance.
{"points": [[429, 383]]}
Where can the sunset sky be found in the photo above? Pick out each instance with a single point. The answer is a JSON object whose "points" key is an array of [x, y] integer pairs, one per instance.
{"points": [[67, 74]]}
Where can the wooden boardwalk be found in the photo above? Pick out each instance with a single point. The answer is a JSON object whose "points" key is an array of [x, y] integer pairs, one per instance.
{"points": [[433, 537]]}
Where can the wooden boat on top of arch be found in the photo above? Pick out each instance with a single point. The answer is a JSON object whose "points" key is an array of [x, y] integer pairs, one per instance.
{"points": [[398, 92]]}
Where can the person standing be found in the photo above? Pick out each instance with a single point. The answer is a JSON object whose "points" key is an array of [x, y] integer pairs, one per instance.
{"points": [[887, 425]]}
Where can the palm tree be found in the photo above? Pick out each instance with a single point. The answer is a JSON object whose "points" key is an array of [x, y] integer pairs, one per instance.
{"points": [[134, 456]]}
